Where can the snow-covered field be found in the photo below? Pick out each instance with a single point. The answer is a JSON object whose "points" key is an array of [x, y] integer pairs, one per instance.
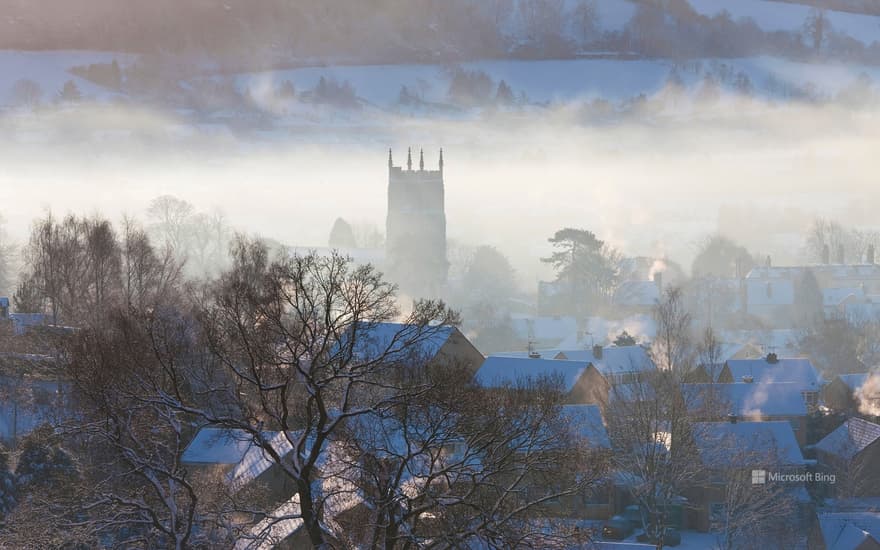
{"points": [[781, 16]]}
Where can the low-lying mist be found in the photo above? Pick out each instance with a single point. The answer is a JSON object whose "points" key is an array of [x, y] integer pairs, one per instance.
{"points": [[652, 181]]}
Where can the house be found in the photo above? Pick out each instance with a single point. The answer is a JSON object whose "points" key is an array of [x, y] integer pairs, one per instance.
{"points": [[846, 531], [841, 393], [587, 376], [412, 344], [618, 365], [575, 381], [709, 366], [594, 503], [730, 452], [771, 291], [752, 401], [852, 454], [772, 369], [633, 297]]}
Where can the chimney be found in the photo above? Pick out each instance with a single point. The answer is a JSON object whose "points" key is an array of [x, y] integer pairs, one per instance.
{"points": [[658, 280], [732, 418], [870, 254], [534, 354], [769, 262], [826, 254], [840, 255], [748, 379], [597, 351], [772, 358]]}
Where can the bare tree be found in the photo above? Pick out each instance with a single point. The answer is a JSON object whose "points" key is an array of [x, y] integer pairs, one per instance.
{"points": [[709, 353], [171, 220], [672, 349], [653, 447]]}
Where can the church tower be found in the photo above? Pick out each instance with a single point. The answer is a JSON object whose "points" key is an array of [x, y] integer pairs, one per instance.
{"points": [[415, 241]]}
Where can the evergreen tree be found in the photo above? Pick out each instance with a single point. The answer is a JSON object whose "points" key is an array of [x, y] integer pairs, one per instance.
{"points": [[624, 339], [70, 92], [42, 460], [342, 235]]}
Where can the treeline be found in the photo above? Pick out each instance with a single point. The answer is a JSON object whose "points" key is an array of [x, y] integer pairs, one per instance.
{"points": [[241, 34]]}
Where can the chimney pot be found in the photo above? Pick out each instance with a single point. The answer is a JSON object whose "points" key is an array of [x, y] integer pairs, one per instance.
{"points": [[597, 351], [772, 358], [732, 418]]}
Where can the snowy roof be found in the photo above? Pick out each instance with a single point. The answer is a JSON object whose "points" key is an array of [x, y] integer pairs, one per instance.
{"points": [[834, 271], [257, 460], [499, 371], [614, 359], [847, 530], [272, 530], [398, 341], [783, 342], [850, 438], [797, 370], [854, 381], [586, 421], [836, 296], [637, 293], [217, 446], [747, 443], [745, 399]]}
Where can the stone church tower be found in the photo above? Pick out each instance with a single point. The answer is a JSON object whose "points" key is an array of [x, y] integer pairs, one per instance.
{"points": [[415, 242]]}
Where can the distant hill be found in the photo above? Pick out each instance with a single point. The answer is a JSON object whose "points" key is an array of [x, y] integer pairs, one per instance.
{"points": [[274, 33], [868, 7]]}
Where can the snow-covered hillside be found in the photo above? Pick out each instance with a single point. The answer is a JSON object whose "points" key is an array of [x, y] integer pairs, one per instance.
{"points": [[780, 16], [50, 70]]}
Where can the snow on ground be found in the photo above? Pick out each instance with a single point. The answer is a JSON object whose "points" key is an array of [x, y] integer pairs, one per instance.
{"points": [[50, 70], [780, 16]]}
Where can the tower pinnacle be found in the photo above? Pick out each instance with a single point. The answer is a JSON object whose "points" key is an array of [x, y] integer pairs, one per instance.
{"points": [[390, 160], [409, 158], [441, 159], [422, 160]]}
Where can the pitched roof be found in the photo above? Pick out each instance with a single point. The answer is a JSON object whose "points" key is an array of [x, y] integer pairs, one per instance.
{"points": [[745, 399], [854, 381], [847, 530], [614, 359], [398, 341], [257, 459], [796, 370], [850, 438], [498, 371], [586, 421], [747, 443], [217, 446], [836, 296]]}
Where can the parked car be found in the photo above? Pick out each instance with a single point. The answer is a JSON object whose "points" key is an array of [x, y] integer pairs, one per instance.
{"points": [[617, 528]]}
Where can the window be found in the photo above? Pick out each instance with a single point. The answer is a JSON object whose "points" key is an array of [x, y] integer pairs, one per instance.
{"points": [[811, 399]]}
